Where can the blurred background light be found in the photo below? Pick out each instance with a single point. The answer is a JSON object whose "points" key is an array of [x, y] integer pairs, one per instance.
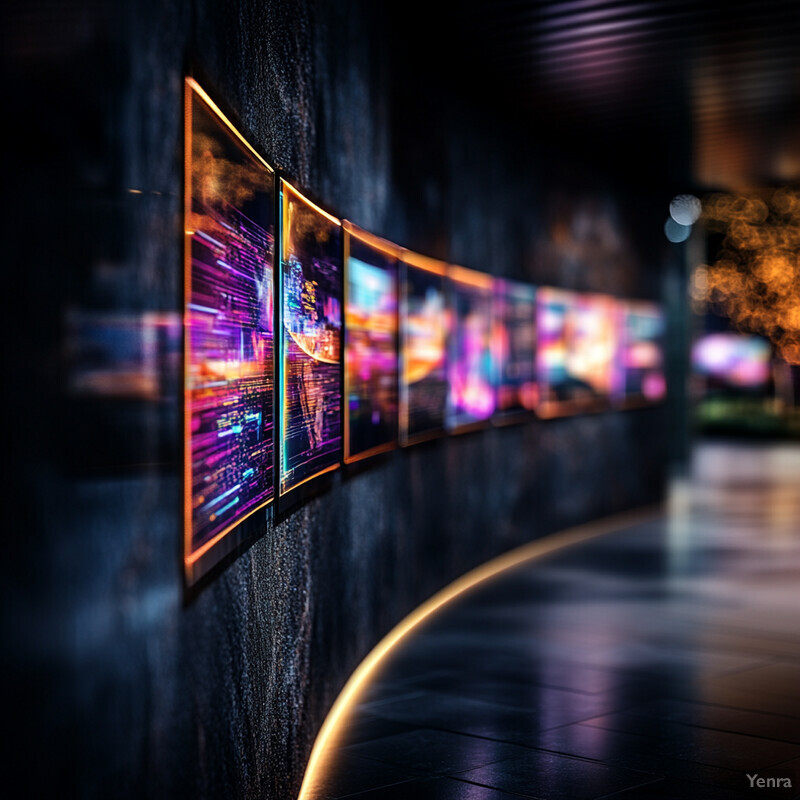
{"points": [[685, 209], [676, 232]]}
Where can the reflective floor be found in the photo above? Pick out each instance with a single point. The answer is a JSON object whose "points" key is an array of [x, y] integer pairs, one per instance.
{"points": [[661, 660]]}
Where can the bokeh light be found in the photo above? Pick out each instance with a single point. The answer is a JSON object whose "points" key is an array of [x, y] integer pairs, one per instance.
{"points": [[755, 278], [676, 232], [685, 209]]}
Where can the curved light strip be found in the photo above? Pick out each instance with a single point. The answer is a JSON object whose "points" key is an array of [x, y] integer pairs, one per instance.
{"points": [[358, 681]]}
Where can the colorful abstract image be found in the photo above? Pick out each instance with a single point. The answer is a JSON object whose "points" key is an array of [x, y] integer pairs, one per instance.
{"points": [[578, 341], [642, 353], [228, 322], [514, 344], [371, 357], [423, 327], [311, 313], [471, 395]]}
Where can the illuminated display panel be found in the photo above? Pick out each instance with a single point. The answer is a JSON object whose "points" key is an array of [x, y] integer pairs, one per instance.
{"points": [[371, 355], [514, 343], [593, 345], [732, 360], [228, 333], [423, 336], [643, 379], [578, 338], [311, 337], [470, 399]]}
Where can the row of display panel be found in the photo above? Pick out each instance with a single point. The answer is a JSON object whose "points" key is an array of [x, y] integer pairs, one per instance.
{"points": [[377, 345]]}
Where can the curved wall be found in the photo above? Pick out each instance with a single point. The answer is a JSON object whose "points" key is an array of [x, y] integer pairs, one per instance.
{"points": [[119, 684]]}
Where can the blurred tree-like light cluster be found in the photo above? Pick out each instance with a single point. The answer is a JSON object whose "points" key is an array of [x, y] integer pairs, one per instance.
{"points": [[754, 278]]}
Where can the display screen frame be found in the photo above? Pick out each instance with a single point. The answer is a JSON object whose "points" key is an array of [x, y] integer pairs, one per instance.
{"points": [[470, 287], [577, 402], [438, 269], [199, 561], [505, 288], [291, 496], [392, 252], [630, 400]]}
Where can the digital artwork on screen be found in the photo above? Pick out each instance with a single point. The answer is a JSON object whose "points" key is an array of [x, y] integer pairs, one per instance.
{"points": [[514, 343], [576, 347], [311, 321], [371, 354], [228, 330], [593, 345], [470, 369], [423, 341], [641, 353]]}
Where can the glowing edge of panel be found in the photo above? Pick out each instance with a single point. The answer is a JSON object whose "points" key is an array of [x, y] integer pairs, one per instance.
{"points": [[283, 188], [192, 571], [358, 681], [394, 251], [471, 277]]}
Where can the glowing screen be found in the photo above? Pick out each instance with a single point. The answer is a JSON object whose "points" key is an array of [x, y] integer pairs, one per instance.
{"points": [[371, 360], [576, 348], [593, 343], [642, 358], [311, 312], [514, 341], [470, 397], [228, 326], [423, 323], [733, 359]]}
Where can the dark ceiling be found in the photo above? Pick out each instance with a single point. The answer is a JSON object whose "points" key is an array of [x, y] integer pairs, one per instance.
{"points": [[692, 92]]}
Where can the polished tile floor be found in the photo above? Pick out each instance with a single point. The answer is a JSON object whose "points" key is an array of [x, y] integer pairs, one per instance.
{"points": [[661, 660]]}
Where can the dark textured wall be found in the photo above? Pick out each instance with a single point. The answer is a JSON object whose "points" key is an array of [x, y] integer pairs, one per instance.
{"points": [[116, 684]]}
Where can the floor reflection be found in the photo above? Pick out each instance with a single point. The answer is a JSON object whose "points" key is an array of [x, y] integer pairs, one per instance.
{"points": [[661, 660]]}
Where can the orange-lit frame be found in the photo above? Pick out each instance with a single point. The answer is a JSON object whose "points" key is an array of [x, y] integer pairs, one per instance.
{"points": [[409, 258], [285, 189], [198, 562], [394, 251]]}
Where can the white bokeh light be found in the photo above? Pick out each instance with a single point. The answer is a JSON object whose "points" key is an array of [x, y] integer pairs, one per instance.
{"points": [[685, 209]]}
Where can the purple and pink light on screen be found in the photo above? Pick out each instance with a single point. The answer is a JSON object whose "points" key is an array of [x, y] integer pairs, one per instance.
{"points": [[311, 385], [228, 328], [470, 369], [371, 356]]}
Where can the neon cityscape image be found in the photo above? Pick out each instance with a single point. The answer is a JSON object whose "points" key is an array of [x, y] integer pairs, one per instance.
{"points": [[371, 358], [311, 381], [228, 327]]}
